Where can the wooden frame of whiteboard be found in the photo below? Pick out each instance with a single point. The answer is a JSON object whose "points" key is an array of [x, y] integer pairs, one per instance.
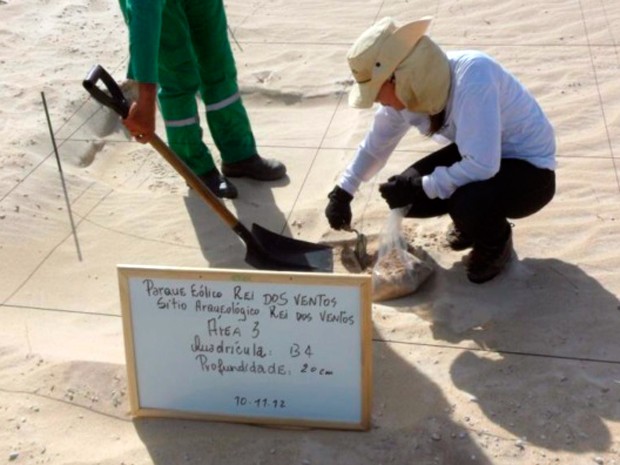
{"points": [[362, 282]]}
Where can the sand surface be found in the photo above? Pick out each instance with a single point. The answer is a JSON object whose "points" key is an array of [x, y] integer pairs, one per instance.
{"points": [[522, 370]]}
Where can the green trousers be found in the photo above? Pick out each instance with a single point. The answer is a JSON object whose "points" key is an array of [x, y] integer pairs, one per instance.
{"points": [[195, 57]]}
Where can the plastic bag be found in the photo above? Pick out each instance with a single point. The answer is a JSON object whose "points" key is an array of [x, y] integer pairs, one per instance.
{"points": [[397, 272]]}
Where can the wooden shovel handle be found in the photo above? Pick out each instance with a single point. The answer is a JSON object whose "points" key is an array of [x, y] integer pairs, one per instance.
{"points": [[115, 100], [194, 181]]}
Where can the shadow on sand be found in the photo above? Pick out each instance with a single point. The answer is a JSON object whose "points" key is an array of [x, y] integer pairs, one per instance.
{"points": [[545, 362]]}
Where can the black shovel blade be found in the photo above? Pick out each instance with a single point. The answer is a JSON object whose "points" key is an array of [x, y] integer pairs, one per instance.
{"points": [[272, 251]]}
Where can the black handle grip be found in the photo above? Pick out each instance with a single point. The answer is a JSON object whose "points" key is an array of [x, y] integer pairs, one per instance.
{"points": [[114, 98]]}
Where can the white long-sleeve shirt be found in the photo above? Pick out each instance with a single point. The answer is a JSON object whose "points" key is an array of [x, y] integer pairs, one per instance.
{"points": [[490, 115]]}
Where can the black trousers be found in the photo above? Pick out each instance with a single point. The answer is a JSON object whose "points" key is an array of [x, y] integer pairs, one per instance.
{"points": [[481, 209]]}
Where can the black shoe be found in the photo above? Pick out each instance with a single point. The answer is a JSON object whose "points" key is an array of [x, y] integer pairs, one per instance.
{"points": [[486, 262], [219, 185], [255, 167], [457, 240]]}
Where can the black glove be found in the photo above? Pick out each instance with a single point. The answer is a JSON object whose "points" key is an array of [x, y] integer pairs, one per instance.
{"points": [[338, 211], [401, 190]]}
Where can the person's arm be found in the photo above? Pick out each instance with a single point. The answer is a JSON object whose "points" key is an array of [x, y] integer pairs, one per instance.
{"points": [[144, 18], [478, 137], [141, 118], [387, 130]]}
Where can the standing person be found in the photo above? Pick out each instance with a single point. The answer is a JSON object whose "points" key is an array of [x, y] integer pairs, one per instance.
{"points": [[499, 159], [177, 49]]}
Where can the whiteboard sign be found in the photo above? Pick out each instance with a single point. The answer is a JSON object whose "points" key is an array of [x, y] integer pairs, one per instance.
{"points": [[248, 346]]}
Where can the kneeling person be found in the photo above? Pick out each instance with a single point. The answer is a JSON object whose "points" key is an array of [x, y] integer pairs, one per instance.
{"points": [[498, 158]]}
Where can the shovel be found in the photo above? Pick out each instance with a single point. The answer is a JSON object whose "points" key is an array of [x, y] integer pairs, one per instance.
{"points": [[264, 249], [359, 251]]}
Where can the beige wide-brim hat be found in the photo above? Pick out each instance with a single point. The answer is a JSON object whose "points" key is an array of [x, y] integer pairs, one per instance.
{"points": [[423, 78], [376, 54]]}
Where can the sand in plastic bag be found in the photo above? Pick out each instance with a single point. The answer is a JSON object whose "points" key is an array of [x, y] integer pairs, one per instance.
{"points": [[397, 271]]}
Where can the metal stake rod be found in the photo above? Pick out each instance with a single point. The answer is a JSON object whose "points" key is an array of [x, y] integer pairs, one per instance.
{"points": [[62, 178]]}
